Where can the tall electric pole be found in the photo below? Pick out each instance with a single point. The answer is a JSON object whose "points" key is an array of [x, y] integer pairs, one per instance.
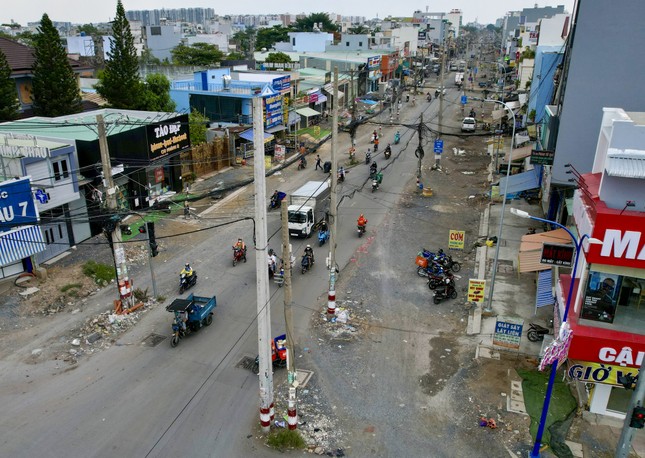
{"points": [[292, 409], [419, 152], [124, 283], [627, 434], [262, 274], [331, 297]]}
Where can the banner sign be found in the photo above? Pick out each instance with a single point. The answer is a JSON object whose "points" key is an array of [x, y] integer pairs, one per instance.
{"points": [[17, 205], [273, 111], [167, 138], [542, 157], [589, 372], [456, 240], [555, 254], [282, 84], [508, 332], [476, 289]]}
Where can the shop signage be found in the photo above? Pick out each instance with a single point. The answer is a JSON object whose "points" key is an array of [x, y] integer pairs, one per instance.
{"points": [[24, 151], [159, 175], [589, 372], [476, 289], [603, 350], [373, 62], [167, 138], [623, 240], [508, 332], [279, 152], [542, 157], [17, 205], [273, 111], [555, 254], [282, 84], [456, 240]]}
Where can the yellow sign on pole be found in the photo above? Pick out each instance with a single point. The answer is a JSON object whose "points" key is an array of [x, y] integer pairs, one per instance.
{"points": [[476, 290], [317, 131], [456, 240]]}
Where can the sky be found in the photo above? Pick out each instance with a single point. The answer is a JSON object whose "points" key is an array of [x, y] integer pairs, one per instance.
{"points": [[88, 11]]}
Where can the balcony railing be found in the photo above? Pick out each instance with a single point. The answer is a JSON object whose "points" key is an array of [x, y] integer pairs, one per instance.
{"points": [[233, 88]]}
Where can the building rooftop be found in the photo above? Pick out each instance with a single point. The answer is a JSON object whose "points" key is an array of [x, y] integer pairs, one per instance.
{"points": [[637, 116], [21, 58], [82, 126]]}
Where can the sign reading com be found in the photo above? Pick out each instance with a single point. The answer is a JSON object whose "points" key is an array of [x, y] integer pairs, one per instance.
{"points": [[17, 204], [167, 138]]}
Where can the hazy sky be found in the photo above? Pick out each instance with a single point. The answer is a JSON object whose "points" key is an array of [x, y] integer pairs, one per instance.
{"points": [[85, 11]]}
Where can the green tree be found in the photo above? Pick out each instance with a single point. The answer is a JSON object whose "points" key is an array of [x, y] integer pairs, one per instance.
{"points": [[147, 58], [8, 96], [278, 58], [235, 56], [197, 124], [54, 85], [27, 38], [360, 29], [269, 36], [198, 54], [243, 40], [306, 24], [156, 94], [89, 29], [119, 82]]}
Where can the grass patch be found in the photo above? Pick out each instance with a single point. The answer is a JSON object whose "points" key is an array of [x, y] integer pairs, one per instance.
{"points": [[151, 217], [70, 286], [310, 131], [101, 273], [286, 439], [534, 385], [161, 299]]}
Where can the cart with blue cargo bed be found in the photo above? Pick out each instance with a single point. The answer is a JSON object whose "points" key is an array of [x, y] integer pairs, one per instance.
{"points": [[191, 314]]}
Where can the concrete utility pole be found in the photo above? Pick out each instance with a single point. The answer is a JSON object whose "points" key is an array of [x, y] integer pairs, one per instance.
{"points": [[331, 297], [625, 441], [441, 88], [292, 409], [124, 284], [262, 274], [419, 152]]}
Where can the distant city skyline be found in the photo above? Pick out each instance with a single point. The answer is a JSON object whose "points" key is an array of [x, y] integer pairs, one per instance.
{"points": [[83, 11]]}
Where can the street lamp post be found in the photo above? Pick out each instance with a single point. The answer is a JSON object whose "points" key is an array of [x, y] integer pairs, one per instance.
{"points": [[535, 453], [489, 306]]}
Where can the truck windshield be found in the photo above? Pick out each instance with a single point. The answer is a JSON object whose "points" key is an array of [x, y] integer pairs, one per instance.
{"points": [[297, 217]]}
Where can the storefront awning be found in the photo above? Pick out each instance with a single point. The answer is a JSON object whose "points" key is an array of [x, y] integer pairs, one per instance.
{"points": [[329, 89], [248, 135], [293, 118], [307, 112], [20, 243], [518, 153], [278, 128], [531, 248], [520, 182]]}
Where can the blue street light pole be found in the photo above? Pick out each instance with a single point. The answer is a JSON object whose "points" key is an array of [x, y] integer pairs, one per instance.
{"points": [[535, 453]]}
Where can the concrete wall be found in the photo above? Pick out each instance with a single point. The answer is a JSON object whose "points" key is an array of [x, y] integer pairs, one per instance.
{"points": [[551, 30], [310, 41], [605, 71]]}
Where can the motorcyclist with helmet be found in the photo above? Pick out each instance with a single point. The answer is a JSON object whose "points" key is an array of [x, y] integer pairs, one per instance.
{"points": [[310, 252]]}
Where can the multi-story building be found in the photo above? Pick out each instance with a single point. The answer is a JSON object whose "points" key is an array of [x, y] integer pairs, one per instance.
{"points": [[161, 40], [605, 317]]}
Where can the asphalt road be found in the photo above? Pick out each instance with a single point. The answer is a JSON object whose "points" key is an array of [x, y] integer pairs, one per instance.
{"points": [[138, 400]]}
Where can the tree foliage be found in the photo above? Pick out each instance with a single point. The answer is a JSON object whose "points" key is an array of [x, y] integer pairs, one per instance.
{"points": [[147, 58], [27, 38], [306, 24], [89, 29], [278, 58], [235, 56], [197, 124], [267, 37], [243, 39], [54, 85], [156, 94], [198, 54], [119, 82], [359, 29], [8, 96]]}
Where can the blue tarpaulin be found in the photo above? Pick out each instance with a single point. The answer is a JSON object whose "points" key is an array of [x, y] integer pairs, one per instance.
{"points": [[248, 135], [520, 182]]}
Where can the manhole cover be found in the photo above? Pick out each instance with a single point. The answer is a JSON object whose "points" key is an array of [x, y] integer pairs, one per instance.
{"points": [[303, 377], [153, 340], [247, 362]]}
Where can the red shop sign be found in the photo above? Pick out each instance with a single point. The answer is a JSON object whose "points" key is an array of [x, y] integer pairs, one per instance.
{"points": [[623, 241], [159, 175], [618, 351]]}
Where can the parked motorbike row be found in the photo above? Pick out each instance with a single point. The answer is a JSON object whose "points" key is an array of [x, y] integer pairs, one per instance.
{"points": [[438, 268]]}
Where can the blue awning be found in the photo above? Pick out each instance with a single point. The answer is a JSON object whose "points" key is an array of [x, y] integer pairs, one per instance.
{"points": [[248, 135], [20, 243], [544, 295], [520, 181]]}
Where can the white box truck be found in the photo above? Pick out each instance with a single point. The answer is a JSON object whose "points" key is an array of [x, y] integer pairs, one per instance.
{"points": [[307, 206]]}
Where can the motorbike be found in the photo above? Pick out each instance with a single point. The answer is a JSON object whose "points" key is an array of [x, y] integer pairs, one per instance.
{"points": [[278, 354], [377, 179], [536, 332], [306, 263], [436, 280], [368, 157], [341, 176], [444, 259], [125, 229], [361, 230], [302, 164], [186, 282], [429, 97], [239, 254], [375, 147], [276, 201], [448, 291], [190, 315], [397, 138], [387, 152], [407, 98], [323, 236], [163, 206], [432, 268]]}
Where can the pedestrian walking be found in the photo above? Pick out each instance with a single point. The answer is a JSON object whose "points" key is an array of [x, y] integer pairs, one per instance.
{"points": [[318, 162], [186, 210]]}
